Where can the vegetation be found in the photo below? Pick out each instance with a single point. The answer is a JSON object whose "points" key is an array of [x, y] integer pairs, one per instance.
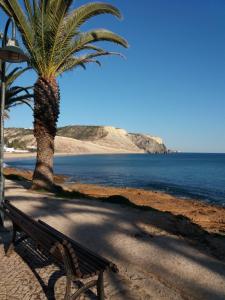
{"points": [[18, 132], [83, 132], [16, 95], [51, 33], [16, 144]]}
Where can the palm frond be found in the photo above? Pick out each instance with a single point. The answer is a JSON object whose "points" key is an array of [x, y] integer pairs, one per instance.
{"points": [[90, 37], [74, 62], [80, 15], [17, 95], [51, 30], [92, 47], [14, 74], [12, 92]]}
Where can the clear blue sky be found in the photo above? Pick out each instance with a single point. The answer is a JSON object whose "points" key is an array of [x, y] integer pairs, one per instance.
{"points": [[171, 85]]}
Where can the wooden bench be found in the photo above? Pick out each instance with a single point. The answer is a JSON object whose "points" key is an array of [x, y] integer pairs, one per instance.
{"points": [[79, 262]]}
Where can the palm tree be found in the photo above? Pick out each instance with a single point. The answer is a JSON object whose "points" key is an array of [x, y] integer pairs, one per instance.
{"points": [[51, 33], [16, 95]]}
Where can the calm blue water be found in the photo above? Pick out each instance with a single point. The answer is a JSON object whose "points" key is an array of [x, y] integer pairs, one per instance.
{"points": [[200, 176]]}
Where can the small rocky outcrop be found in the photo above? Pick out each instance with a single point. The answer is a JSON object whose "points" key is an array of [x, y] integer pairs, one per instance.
{"points": [[148, 143]]}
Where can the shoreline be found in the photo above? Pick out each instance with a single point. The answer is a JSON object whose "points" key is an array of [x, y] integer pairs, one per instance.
{"points": [[180, 193], [14, 155], [208, 216], [8, 155]]}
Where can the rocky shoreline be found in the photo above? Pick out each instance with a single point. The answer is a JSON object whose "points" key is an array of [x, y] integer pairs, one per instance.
{"points": [[201, 226], [210, 217]]}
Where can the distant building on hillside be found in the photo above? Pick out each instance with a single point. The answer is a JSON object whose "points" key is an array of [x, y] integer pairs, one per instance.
{"points": [[32, 148], [13, 150], [7, 149]]}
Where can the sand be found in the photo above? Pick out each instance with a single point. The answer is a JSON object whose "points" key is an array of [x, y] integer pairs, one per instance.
{"points": [[16, 155]]}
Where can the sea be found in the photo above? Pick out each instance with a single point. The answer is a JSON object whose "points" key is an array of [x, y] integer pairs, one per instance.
{"points": [[199, 176]]}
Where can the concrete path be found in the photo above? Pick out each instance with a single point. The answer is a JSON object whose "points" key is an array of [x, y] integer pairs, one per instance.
{"points": [[153, 263], [17, 281]]}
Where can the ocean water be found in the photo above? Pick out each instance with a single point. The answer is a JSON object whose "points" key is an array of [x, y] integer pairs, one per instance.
{"points": [[188, 175]]}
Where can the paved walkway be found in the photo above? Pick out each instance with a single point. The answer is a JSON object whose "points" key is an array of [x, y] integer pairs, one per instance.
{"points": [[153, 263], [16, 279]]}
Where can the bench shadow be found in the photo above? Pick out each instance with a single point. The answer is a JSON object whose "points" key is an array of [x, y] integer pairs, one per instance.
{"points": [[39, 260]]}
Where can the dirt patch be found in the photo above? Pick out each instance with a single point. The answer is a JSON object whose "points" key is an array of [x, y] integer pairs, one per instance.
{"points": [[209, 217], [22, 174]]}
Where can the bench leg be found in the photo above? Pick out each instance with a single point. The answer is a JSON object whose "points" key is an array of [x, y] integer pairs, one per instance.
{"points": [[68, 270], [84, 288], [100, 287], [68, 288], [12, 243]]}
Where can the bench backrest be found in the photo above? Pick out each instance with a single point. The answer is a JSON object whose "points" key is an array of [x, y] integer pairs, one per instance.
{"points": [[33, 229], [80, 251]]}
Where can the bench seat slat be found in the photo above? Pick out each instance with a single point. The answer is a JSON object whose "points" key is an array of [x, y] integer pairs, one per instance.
{"points": [[86, 259]]}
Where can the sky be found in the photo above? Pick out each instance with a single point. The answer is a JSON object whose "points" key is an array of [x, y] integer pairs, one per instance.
{"points": [[172, 83]]}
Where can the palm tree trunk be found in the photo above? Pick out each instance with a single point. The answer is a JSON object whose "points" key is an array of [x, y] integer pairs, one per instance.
{"points": [[46, 112]]}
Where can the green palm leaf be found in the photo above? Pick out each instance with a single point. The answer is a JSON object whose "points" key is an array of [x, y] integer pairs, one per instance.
{"points": [[17, 95], [50, 30]]}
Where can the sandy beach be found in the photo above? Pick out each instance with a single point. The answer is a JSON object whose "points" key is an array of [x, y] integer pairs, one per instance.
{"points": [[15, 155]]}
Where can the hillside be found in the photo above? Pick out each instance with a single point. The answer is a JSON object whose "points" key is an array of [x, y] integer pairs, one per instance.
{"points": [[89, 139]]}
